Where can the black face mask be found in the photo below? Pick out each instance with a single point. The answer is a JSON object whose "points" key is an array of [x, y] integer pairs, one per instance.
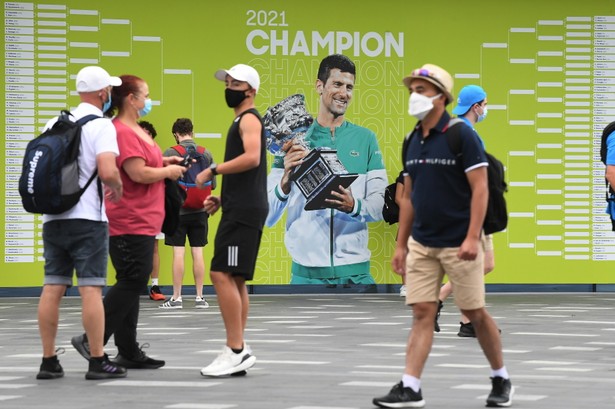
{"points": [[234, 97]]}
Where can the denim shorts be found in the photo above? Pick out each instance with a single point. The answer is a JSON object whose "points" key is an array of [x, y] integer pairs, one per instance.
{"points": [[76, 245]]}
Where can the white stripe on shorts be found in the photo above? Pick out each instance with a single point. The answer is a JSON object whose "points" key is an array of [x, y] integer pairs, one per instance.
{"points": [[232, 255]]}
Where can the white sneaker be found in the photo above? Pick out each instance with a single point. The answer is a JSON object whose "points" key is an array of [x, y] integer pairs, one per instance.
{"points": [[171, 304], [402, 291], [228, 363], [200, 302]]}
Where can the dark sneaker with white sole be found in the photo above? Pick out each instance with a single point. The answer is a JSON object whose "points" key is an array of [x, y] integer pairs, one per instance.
{"points": [[400, 397], [102, 368], [501, 393]]}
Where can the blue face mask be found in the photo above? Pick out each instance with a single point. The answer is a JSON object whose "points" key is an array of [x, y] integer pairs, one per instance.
{"points": [[147, 108], [482, 116], [107, 105]]}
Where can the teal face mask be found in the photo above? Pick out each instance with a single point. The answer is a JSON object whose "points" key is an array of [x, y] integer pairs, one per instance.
{"points": [[482, 116], [107, 105], [147, 108]]}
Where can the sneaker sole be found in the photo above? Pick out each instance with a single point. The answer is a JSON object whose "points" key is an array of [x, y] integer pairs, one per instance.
{"points": [[243, 366], [80, 348], [419, 404], [202, 307], [49, 375], [171, 308], [103, 375]]}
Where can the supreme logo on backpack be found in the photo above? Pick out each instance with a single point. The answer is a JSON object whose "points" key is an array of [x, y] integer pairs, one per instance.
{"points": [[49, 181], [198, 162]]}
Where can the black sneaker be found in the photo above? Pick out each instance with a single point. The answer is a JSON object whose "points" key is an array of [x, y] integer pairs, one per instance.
{"points": [[400, 397], [140, 361], [501, 393], [50, 369], [81, 344], [104, 369], [466, 330], [436, 326], [155, 294]]}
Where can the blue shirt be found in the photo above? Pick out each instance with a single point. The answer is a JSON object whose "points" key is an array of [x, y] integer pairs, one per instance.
{"points": [[441, 194], [610, 149]]}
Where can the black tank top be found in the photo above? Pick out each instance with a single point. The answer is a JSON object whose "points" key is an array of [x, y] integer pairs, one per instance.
{"points": [[244, 195]]}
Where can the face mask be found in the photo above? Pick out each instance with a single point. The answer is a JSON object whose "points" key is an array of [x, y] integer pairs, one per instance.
{"points": [[234, 97], [419, 105], [147, 108], [107, 105], [482, 116]]}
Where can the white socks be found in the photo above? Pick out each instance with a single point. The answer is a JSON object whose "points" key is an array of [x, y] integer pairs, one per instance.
{"points": [[502, 373], [411, 382]]}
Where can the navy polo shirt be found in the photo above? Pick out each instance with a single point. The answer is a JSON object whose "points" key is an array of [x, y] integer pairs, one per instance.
{"points": [[441, 193]]}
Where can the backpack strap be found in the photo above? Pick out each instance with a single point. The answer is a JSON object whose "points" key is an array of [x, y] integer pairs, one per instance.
{"points": [[82, 121], [453, 135], [180, 149], [86, 119]]}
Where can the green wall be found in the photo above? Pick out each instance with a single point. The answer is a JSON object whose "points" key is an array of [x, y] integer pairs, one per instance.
{"points": [[548, 68]]}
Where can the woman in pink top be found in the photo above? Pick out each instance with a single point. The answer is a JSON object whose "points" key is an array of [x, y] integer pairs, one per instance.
{"points": [[134, 221]]}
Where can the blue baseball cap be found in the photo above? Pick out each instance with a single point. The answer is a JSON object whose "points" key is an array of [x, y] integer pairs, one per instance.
{"points": [[468, 96]]}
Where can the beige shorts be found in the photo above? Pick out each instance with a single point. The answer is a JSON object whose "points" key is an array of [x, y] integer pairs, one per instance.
{"points": [[487, 241], [425, 269]]}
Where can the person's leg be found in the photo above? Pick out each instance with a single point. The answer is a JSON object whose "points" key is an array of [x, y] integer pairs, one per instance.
{"points": [[424, 279], [489, 265], [93, 318], [231, 307], [132, 259], [245, 302], [197, 237], [178, 271], [48, 317], [420, 339], [155, 264], [488, 336], [198, 269]]}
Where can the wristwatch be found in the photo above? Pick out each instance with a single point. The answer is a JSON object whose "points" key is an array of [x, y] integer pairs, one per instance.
{"points": [[214, 168]]}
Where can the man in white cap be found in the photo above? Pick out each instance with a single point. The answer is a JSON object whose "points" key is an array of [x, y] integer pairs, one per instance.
{"points": [[471, 108], [244, 209], [440, 228], [78, 238]]}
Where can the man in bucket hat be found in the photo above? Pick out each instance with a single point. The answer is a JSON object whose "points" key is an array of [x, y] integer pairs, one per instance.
{"points": [[440, 230]]}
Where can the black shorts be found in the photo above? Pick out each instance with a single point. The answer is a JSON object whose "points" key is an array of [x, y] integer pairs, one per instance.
{"points": [[236, 248], [193, 225]]}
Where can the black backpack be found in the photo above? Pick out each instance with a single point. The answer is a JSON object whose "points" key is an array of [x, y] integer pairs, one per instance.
{"points": [[496, 218], [49, 181], [390, 209]]}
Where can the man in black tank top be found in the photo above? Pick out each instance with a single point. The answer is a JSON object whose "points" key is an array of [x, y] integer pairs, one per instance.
{"points": [[244, 209]]}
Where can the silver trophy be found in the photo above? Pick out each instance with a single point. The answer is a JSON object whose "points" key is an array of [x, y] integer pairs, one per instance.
{"points": [[288, 119], [321, 170]]}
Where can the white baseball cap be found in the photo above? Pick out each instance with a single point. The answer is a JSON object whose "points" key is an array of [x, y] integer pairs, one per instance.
{"points": [[241, 72], [93, 78]]}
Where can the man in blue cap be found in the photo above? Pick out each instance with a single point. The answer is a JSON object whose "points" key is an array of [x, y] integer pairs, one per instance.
{"points": [[472, 108]]}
